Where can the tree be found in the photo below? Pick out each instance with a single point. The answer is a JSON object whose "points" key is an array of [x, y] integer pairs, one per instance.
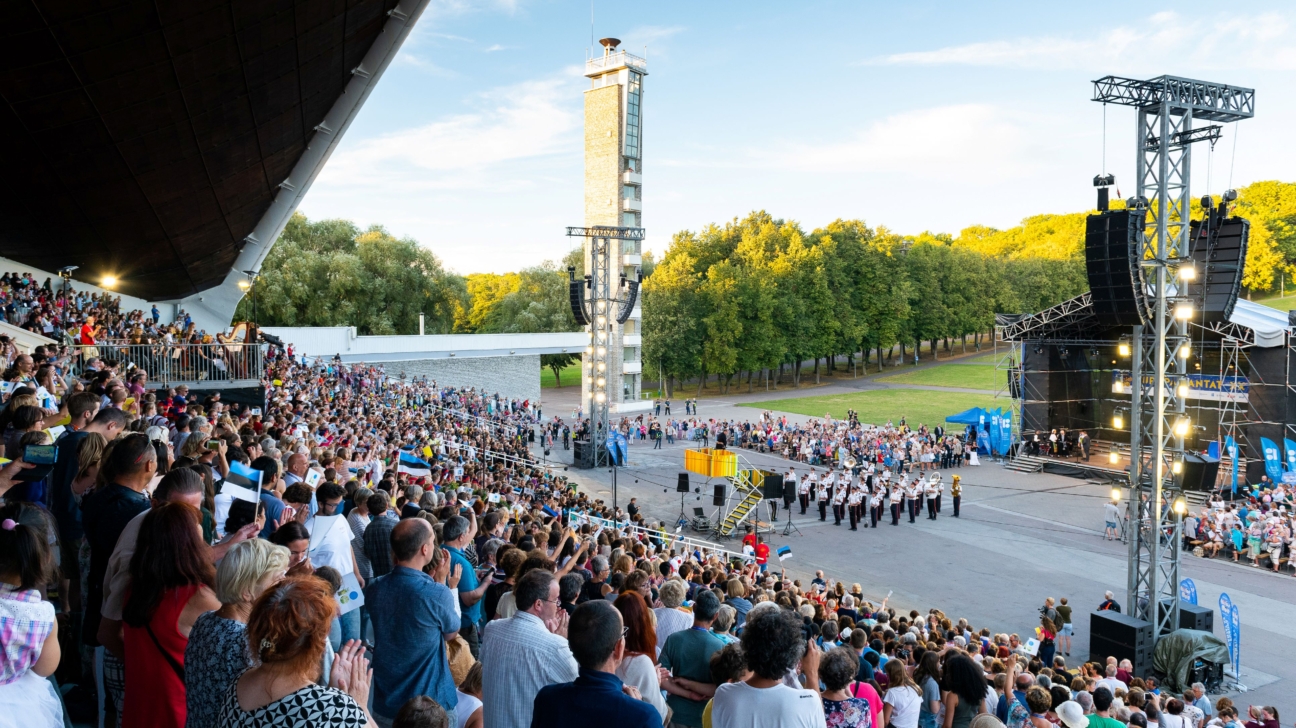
{"points": [[329, 273]]}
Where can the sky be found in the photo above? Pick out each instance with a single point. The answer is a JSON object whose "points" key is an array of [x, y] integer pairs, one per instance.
{"points": [[916, 116]]}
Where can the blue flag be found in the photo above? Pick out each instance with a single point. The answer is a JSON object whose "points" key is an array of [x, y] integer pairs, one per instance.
{"points": [[1230, 446], [994, 432], [1290, 448], [1188, 591], [412, 465], [1272, 460], [1005, 431]]}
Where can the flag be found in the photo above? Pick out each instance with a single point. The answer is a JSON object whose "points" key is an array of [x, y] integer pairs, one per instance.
{"points": [[1272, 460], [411, 465], [242, 482], [784, 553], [1230, 446]]}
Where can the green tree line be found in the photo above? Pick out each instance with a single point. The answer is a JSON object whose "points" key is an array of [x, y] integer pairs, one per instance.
{"points": [[756, 297], [759, 296]]}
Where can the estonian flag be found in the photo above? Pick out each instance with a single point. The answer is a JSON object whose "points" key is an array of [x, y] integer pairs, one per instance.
{"points": [[784, 553], [243, 482], [411, 465]]}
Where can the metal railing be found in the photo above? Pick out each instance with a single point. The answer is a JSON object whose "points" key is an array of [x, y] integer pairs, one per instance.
{"points": [[187, 363], [612, 60]]}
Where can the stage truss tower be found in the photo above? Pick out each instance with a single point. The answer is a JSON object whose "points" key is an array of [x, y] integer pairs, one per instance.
{"points": [[1166, 108], [603, 301]]}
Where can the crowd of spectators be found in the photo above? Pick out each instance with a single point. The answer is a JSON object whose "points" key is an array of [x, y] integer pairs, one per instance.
{"points": [[181, 564]]}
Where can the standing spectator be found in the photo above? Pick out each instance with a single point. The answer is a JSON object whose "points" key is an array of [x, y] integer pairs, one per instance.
{"points": [[687, 655], [638, 667], [171, 579], [1064, 614], [965, 688], [525, 652], [927, 676], [127, 469], [671, 618], [601, 699], [774, 646], [217, 652], [593, 588], [288, 633], [1202, 702], [457, 534], [903, 699], [841, 708], [377, 535], [1102, 702], [413, 619], [1109, 603], [31, 646]]}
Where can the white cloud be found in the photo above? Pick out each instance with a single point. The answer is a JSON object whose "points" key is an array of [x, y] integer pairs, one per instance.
{"points": [[968, 142], [493, 48], [1258, 42], [406, 58]]}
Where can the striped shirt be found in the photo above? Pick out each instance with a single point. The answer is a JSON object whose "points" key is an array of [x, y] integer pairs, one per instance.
{"points": [[25, 622], [519, 655]]}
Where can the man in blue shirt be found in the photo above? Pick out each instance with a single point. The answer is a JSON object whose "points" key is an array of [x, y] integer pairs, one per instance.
{"points": [[270, 503], [413, 617], [457, 533], [596, 638]]}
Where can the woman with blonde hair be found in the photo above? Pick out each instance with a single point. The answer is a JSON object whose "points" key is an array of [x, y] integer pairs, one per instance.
{"points": [[217, 652]]}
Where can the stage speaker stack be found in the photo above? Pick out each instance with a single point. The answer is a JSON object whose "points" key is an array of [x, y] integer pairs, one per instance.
{"points": [[1193, 616], [1219, 255], [576, 294], [772, 486], [1112, 634], [583, 454], [1111, 263], [683, 485], [718, 497], [1199, 473]]}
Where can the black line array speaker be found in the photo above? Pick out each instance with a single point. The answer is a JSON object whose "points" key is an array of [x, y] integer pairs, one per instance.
{"points": [[772, 486], [1111, 262], [1194, 616], [1199, 473], [1219, 252], [576, 292], [683, 485], [1112, 634], [718, 497]]}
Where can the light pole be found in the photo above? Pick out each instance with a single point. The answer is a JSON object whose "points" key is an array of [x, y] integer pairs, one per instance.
{"points": [[66, 274]]}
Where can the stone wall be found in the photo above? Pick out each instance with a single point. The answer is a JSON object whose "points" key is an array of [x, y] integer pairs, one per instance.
{"points": [[511, 376], [603, 156]]}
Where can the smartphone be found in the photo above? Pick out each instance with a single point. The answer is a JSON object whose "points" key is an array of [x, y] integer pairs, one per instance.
{"points": [[43, 457], [214, 444]]}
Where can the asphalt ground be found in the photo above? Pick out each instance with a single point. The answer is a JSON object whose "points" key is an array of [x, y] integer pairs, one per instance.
{"points": [[1021, 537]]}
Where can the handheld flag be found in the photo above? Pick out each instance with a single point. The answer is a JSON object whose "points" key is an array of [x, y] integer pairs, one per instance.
{"points": [[411, 465], [784, 553], [242, 482]]}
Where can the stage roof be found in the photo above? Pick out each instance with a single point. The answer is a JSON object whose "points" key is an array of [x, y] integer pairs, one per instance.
{"points": [[147, 140], [1074, 320]]}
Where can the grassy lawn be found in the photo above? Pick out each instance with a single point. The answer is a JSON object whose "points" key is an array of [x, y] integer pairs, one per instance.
{"points": [[570, 376], [980, 375], [917, 406], [1282, 304]]}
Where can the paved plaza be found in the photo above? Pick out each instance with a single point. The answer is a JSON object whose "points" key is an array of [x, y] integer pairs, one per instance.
{"points": [[1021, 537]]}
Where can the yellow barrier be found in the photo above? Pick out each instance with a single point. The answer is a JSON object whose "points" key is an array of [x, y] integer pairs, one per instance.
{"points": [[711, 463]]}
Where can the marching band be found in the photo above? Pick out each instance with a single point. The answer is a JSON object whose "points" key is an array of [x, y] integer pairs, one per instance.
{"points": [[861, 499]]}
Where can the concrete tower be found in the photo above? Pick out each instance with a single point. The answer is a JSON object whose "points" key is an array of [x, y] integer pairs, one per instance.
{"points": [[614, 197]]}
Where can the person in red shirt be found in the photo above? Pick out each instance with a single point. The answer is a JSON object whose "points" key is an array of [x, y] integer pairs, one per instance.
{"points": [[87, 337], [762, 554]]}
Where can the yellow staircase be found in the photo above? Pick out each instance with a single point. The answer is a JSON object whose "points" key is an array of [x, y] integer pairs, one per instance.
{"points": [[746, 483]]}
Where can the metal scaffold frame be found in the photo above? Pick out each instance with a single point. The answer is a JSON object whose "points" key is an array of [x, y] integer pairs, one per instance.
{"points": [[1166, 107], [601, 309]]}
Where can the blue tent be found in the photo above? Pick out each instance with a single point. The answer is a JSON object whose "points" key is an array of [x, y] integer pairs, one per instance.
{"points": [[967, 417]]}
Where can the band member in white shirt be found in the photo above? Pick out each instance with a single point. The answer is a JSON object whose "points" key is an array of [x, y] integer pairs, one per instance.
{"points": [[913, 497], [875, 505], [803, 488], [897, 495], [853, 504], [821, 496], [839, 499], [929, 490]]}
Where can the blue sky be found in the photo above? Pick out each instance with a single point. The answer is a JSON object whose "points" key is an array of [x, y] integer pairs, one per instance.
{"points": [[914, 116]]}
